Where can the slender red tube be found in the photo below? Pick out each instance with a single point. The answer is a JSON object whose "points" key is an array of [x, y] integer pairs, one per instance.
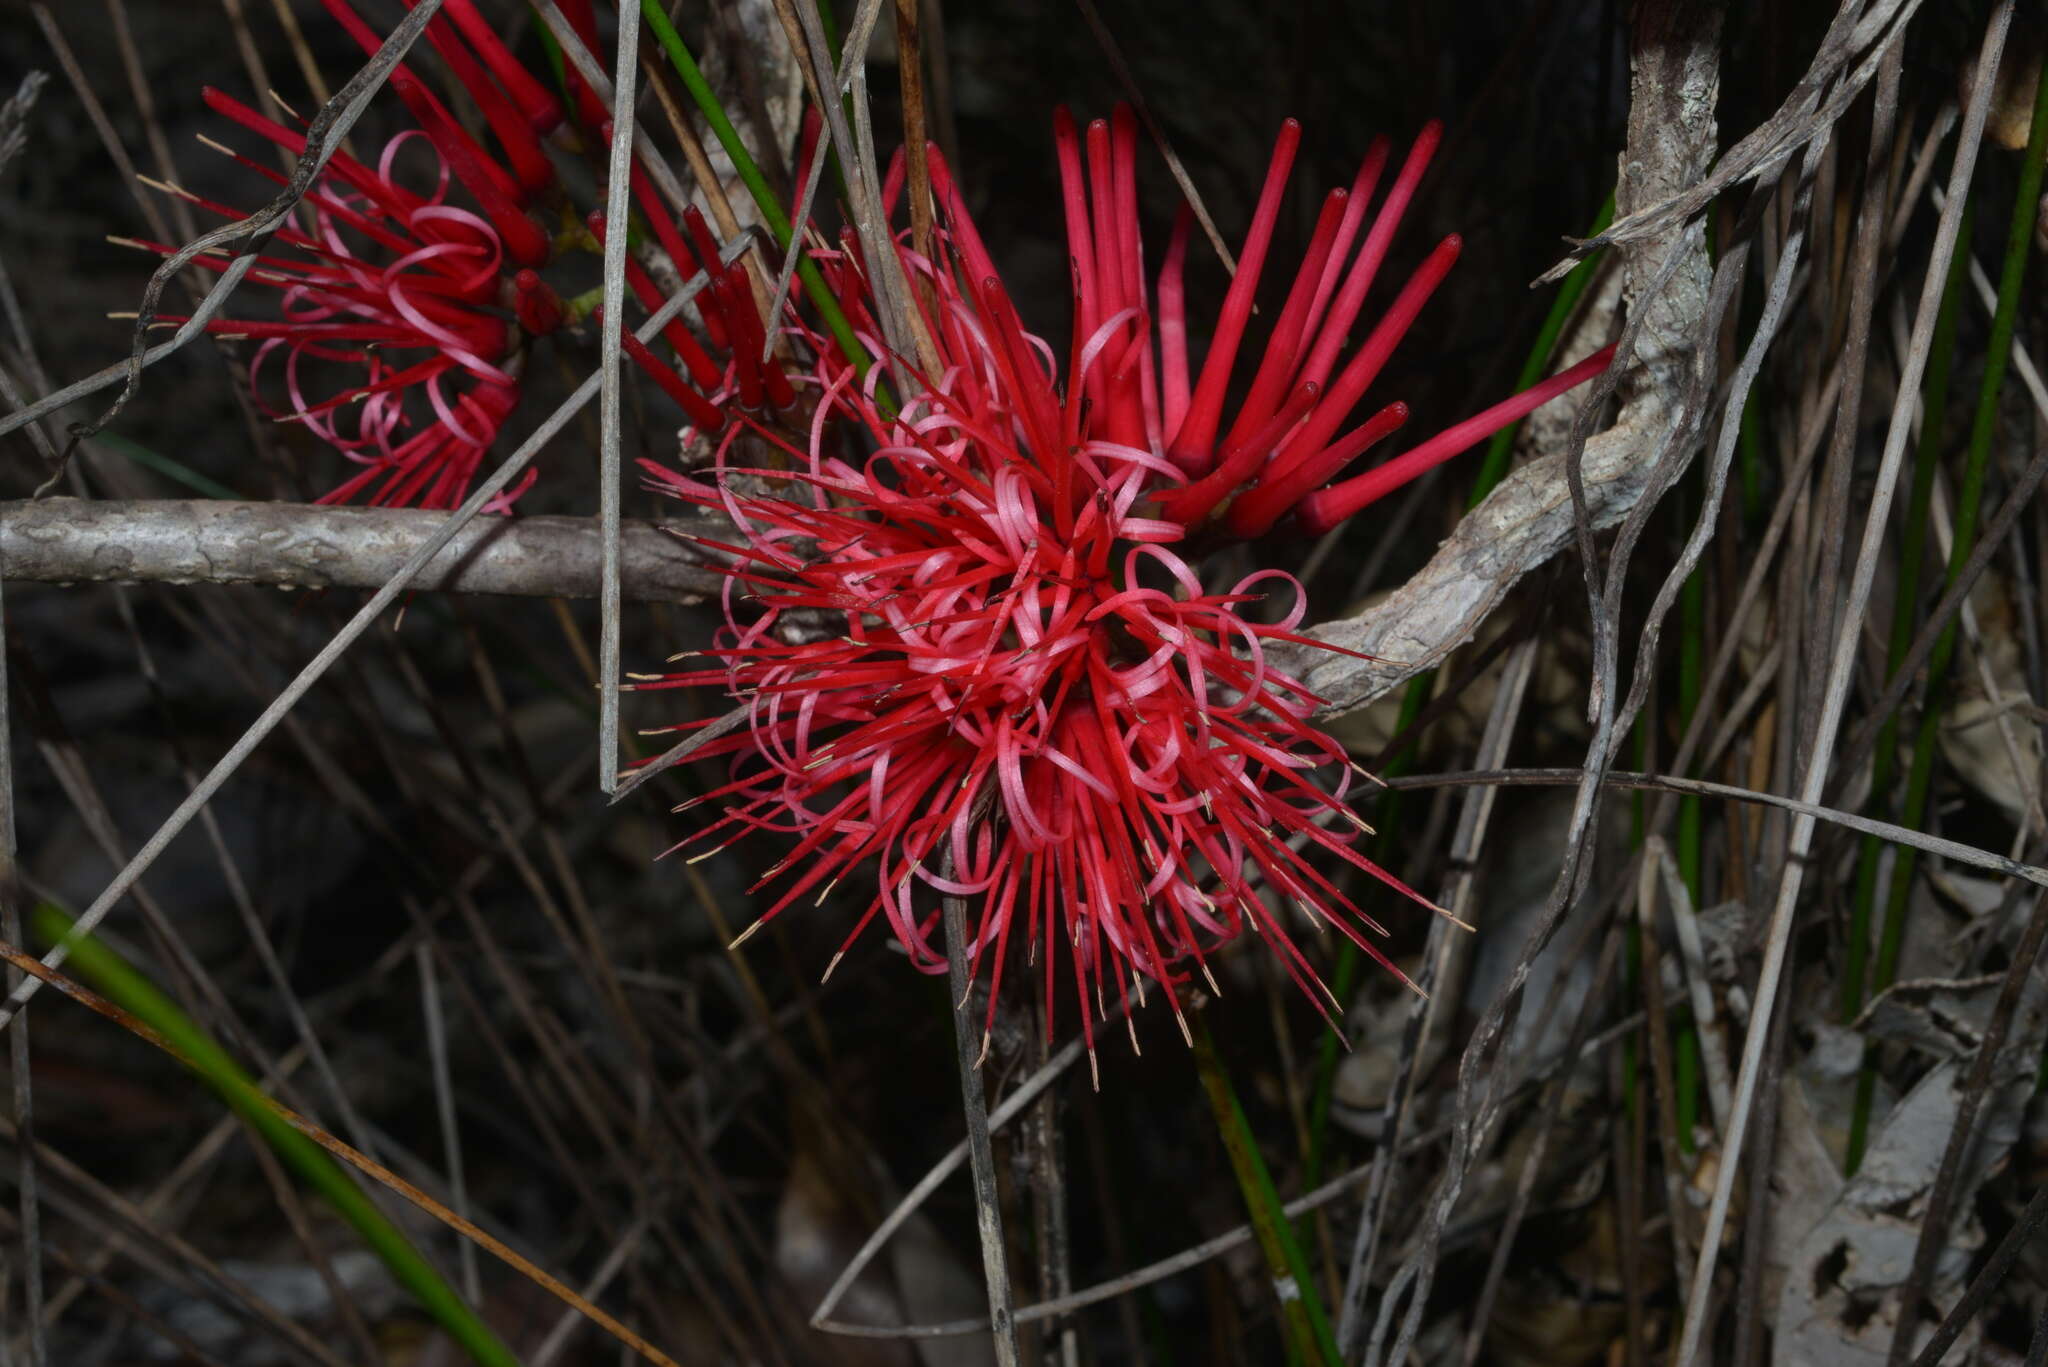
{"points": [[1269, 385], [1254, 512], [701, 411], [543, 111], [1365, 367], [1322, 357], [1322, 511], [1192, 446], [1190, 505]]}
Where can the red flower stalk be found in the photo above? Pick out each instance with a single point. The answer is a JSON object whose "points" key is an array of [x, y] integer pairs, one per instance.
{"points": [[977, 656]]}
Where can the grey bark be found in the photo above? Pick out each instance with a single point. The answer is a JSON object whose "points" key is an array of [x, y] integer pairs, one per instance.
{"points": [[289, 545]]}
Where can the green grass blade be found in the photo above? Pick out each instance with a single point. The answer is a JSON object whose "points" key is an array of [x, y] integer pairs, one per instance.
{"points": [[765, 199], [175, 471], [1308, 1326], [119, 981]]}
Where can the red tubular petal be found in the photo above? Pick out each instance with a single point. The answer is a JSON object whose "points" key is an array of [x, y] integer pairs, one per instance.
{"points": [[959, 223], [1322, 511], [707, 259], [892, 183], [583, 19], [806, 148], [1269, 386], [701, 238], [1322, 357], [487, 182], [703, 369], [746, 341], [700, 409], [1255, 512], [1190, 505], [397, 202], [657, 215], [1173, 324], [542, 110], [531, 169], [1191, 446], [1354, 213], [781, 393], [1080, 235], [1365, 367], [538, 307], [464, 157], [1109, 281], [774, 382], [1131, 388], [479, 174]]}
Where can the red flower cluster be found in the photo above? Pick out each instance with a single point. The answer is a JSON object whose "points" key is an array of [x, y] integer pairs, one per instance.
{"points": [[426, 306], [976, 652]]}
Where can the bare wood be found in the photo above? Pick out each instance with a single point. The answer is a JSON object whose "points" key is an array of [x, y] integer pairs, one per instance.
{"points": [[294, 545]]}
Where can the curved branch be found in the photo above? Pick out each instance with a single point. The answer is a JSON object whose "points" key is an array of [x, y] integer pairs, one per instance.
{"points": [[1522, 524]]}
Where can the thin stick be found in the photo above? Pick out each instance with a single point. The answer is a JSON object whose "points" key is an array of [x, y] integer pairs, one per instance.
{"points": [[318, 546], [617, 208], [988, 1210], [360, 1162], [1011, 1107], [1697, 787], [680, 751], [1989, 1280], [578, 56], [1840, 668], [266, 723], [1193, 1256], [31, 1205], [910, 82], [444, 1099], [1136, 96]]}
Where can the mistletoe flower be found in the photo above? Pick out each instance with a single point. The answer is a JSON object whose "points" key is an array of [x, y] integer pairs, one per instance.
{"points": [[422, 304], [977, 653], [411, 299], [424, 307]]}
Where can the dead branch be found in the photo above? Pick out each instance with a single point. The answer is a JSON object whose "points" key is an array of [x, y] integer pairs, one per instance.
{"points": [[306, 546]]}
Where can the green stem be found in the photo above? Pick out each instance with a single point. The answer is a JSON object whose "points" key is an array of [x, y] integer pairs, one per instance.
{"points": [[115, 978], [765, 199], [1308, 1327], [1495, 464]]}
